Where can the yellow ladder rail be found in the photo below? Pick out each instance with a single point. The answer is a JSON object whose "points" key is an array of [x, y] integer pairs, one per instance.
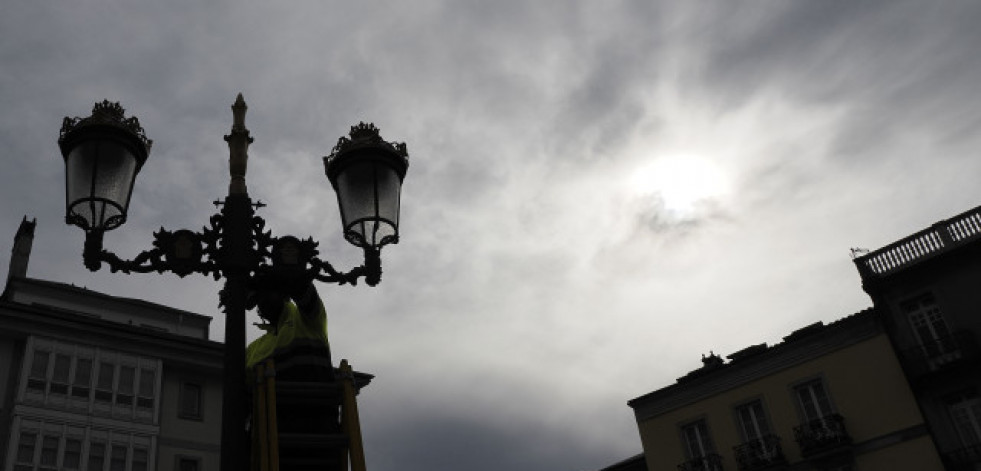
{"points": [[350, 421], [266, 426]]}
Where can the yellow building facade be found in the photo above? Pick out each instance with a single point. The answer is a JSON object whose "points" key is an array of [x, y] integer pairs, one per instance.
{"points": [[829, 397]]}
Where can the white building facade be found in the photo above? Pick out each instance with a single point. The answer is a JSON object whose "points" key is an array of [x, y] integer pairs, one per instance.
{"points": [[93, 382]]}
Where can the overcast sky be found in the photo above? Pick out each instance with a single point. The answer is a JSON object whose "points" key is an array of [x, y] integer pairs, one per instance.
{"points": [[598, 192]]}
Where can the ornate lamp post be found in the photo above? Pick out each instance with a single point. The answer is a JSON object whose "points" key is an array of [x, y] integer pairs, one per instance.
{"points": [[103, 154]]}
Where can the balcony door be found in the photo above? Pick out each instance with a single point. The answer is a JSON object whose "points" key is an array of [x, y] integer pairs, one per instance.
{"points": [[698, 444], [929, 326], [966, 413], [814, 403], [752, 421]]}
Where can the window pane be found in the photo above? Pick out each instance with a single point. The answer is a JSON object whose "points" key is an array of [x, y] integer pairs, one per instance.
{"points": [[39, 365], [83, 372], [191, 400], [106, 373], [697, 439], [139, 459], [97, 456], [61, 368], [188, 464], [49, 451], [126, 376], [967, 419], [147, 382], [73, 454], [117, 461], [25, 448], [814, 401], [753, 421]]}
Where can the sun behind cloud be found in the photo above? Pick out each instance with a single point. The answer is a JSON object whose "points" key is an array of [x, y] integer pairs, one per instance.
{"points": [[681, 182]]}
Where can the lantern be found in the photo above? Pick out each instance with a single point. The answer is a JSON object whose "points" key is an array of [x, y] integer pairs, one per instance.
{"points": [[366, 173], [103, 154]]}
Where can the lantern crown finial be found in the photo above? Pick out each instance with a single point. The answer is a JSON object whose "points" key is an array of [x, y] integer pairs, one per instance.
{"points": [[106, 113], [366, 135]]}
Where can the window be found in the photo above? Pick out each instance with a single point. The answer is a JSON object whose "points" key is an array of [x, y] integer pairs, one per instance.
{"points": [[97, 456], [103, 388], [59, 378], [929, 325], [73, 454], [139, 459], [698, 444], [188, 464], [49, 452], [752, 421], [83, 378], [147, 384], [124, 394], [117, 461], [39, 370], [813, 400], [190, 400], [966, 414], [25, 450]]}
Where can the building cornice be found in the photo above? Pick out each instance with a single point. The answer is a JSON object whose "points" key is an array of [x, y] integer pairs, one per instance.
{"points": [[792, 352], [21, 320], [87, 293]]}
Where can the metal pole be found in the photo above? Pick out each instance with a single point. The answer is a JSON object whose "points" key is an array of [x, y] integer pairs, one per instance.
{"points": [[237, 261], [237, 240]]}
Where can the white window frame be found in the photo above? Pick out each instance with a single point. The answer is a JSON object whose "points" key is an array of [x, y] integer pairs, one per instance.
{"points": [[965, 413], [88, 404], [697, 433], [85, 435], [759, 423]]}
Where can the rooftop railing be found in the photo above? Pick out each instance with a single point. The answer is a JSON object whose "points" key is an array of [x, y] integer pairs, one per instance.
{"points": [[922, 245]]}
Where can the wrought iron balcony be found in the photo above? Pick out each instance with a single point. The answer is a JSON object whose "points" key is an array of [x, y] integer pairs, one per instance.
{"points": [[761, 454], [941, 353], [709, 462], [967, 458], [939, 238], [822, 435]]}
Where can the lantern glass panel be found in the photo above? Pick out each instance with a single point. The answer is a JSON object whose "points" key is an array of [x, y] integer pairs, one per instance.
{"points": [[100, 179], [368, 193]]}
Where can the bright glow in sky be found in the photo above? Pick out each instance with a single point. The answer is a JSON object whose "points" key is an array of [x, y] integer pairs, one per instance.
{"points": [[681, 182], [598, 192]]}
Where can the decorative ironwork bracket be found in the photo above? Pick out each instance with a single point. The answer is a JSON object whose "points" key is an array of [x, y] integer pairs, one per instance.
{"points": [[184, 252]]}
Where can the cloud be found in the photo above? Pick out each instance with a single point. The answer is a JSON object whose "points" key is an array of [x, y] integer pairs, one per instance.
{"points": [[534, 291]]}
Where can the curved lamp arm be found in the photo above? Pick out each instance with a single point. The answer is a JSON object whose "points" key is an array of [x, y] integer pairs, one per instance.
{"points": [[180, 252], [371, 270]]}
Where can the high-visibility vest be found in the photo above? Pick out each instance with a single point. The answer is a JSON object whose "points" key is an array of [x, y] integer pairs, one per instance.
{"points": [[296, 336]]}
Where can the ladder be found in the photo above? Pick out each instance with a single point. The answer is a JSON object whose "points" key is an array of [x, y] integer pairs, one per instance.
{"points": [[295, 425]]}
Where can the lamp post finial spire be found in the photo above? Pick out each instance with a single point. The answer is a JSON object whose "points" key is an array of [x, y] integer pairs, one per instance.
{"points": [[238, 148]]}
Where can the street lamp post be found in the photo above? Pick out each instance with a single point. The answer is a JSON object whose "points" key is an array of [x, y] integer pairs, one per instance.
{"points": [[104, 152]]}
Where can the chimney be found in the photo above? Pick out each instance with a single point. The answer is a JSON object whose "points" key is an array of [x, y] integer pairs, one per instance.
{"points": [[21, 253]]}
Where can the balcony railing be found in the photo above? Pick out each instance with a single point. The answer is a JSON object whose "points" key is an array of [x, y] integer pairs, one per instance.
{"points": [[757, 455], [940, 237], [709, 462], [941, 353], [822, 435]]}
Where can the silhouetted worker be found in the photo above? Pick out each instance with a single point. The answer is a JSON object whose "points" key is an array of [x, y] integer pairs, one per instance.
{"points": [[296, 330]]}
